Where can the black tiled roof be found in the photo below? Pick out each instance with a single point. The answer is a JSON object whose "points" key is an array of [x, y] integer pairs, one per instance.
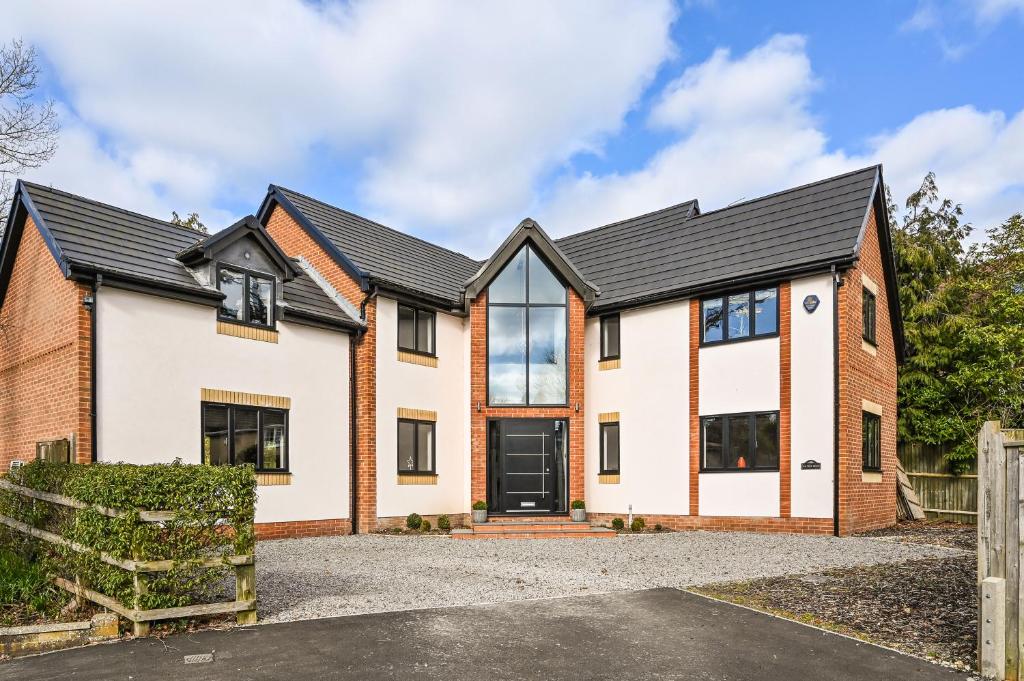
{"points": [[387, 255], [669, 250], [94, 236]]}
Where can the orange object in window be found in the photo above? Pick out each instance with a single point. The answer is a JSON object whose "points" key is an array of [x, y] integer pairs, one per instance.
{"points": [[741, 463]]}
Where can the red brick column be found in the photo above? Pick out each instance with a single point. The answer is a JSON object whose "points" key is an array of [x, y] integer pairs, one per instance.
{"points": [[694, 406], [785, 401], [478, 394], [366, 423]]}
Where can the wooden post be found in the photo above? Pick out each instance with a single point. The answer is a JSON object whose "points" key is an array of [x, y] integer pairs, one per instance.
{"points": [[245, 590], [139, 580], [992, 643]]}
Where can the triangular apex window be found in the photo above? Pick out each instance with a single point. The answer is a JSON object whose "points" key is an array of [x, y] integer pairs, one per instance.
{"points": [[526, 334]]}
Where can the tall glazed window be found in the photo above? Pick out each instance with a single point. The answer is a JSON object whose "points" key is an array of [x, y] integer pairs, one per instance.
{"points": [[526, 334]]}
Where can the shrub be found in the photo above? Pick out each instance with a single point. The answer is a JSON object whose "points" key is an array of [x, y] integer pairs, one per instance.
{"points": [[444, 522], [578, 504], [425, 527], [618, 523], [479, 505], [25, 591], [413, 521], [637, 525], [199, 496], [658, 527]]}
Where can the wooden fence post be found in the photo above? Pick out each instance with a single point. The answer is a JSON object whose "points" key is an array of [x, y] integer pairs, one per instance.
{"points": [[245, 590], [992, 641], [139, 583]]}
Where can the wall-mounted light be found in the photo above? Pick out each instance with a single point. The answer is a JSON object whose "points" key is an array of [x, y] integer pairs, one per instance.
{"points": [[478, 407], [577, 407]]}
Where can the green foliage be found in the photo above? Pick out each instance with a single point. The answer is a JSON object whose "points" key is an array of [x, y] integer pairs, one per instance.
{"points": [[198, 495], [425, 526], [479, 505], [962, 311], [618, 523], [578, 504], [192, 221], [658, 527], [25, 590], [413, 521], [637, 525], [444, 522]]}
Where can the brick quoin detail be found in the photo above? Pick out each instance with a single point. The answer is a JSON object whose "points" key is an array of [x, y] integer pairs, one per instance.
{"points": [[303, 528], [785, 402], [694, 406], [45, 356], [478, 393], [295, 241], [864, 505]]}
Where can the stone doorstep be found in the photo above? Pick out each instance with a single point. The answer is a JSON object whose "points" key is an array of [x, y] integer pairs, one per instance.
{"points": [[531, 530], [36, 638]]}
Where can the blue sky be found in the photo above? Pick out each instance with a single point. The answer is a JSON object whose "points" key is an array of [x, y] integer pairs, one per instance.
{"points": [[453, 121]]}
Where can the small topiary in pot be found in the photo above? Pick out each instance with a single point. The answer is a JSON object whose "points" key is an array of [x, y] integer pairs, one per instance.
{"points": [[579, 511], [413, 521], [479, 511]]}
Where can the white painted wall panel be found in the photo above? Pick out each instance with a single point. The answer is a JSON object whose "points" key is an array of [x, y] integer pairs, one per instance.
{"points": [[651, 393], [441, 389], [155, 354], [739, 377], [739, 494], [812, 398]]}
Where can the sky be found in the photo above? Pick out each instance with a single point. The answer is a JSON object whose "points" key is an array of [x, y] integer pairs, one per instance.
{"points": [[455, 120]]}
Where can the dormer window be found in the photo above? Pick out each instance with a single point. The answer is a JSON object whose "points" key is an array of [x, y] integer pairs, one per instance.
{"points": [[248, 296]]}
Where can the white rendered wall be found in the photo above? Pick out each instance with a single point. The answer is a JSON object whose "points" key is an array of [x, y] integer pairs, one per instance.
{"points": [[812, 398], [441, 389], [650, 392], [735, 378], [154, 356]]}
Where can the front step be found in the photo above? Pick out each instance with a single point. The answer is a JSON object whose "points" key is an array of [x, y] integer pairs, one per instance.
{"points": [[532, 530]]}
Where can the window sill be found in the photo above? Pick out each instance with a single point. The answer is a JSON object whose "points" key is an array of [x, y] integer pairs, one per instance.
{"points": [[872, 477], [738, 470], [609, 364], [418, 359], [417, 478], [869, 348], [256, 333], [269, 479], [608, 478]]}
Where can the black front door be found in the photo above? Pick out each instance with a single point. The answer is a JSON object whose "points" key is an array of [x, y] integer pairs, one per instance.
{"points": [[527, 465]]}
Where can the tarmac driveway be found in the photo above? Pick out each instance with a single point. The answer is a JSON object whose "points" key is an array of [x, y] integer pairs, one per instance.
{"points": [[654, 634]]}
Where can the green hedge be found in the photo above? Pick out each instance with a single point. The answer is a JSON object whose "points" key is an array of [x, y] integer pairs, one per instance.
{"points": [[198, 495]]}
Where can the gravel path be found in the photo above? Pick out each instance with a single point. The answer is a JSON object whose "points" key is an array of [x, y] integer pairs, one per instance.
{"points": [[331, 576]]}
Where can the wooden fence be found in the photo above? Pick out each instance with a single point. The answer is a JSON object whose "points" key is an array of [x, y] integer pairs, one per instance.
{"points": [[943, 495], [244, 604], [1000, 541]]}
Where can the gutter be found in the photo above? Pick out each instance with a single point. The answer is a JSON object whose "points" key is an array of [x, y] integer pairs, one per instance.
{"points": [[837, 282]]}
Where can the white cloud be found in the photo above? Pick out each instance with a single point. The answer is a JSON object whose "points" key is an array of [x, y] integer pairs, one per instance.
{"points": [[991, 11], [745, 128], [456, 108]]}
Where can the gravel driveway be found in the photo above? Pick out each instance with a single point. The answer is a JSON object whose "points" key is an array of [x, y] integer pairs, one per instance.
{"points": [[331, 576]]}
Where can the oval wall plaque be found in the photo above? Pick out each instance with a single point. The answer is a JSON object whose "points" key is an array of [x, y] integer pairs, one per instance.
{"points": [[811, 303]]}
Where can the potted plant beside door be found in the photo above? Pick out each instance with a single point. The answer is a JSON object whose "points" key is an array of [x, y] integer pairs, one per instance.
{"points": [[579, 511], [479, 511]]}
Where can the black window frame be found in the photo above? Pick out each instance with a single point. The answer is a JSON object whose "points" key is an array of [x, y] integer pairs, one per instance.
{"points": [[752, 416], [526, 306], [259, 427], [723, 299], [604, 469], [417, 311], [869, 443], [416, 443], [247, 274], [869, 316], [618, 336]]}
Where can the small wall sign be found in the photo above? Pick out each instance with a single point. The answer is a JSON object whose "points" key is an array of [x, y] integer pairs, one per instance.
{"points": [[811, 303], [810, 465]]}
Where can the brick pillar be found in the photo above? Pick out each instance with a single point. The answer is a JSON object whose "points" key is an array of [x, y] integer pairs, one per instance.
{"points": [[785, 402], [366, 423], [694, 406]]}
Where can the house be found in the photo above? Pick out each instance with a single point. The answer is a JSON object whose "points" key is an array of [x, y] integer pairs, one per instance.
{"points": [[730, 369]]}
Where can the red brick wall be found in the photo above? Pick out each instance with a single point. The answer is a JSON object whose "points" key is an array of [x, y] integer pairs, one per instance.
{"points": [[303, 528], [785, 402], [726, 523], [478, 391], [865, 505], [45, 368], [295, 241], [694, 407]]}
